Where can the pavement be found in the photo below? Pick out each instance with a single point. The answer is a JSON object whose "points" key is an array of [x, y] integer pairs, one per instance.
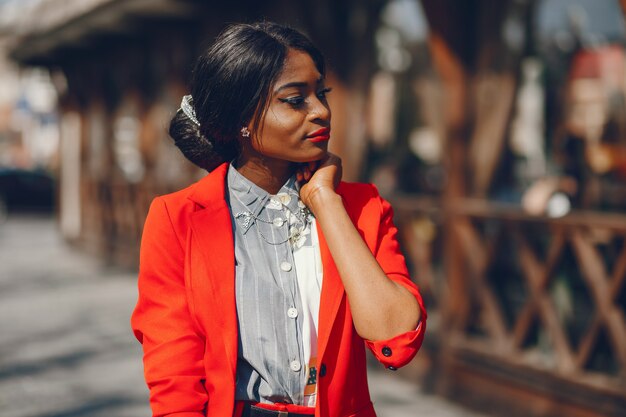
{"points": [[66, 349]]}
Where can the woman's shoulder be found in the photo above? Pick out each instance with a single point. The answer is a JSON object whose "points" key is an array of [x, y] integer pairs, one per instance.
{"points": [[177, 199], [358, 190], [178, 207], [360, 198], [207, 190]]}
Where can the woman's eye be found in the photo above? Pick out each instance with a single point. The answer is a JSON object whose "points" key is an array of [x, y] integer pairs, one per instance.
{"points": [[294, 101], [322, 93], [300, 100]]}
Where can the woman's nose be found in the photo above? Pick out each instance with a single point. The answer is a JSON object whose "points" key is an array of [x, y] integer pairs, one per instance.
{"points": [[320, 110]]}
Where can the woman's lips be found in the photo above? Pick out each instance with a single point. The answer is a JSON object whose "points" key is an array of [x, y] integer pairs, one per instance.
{"points": [[320, 135]]}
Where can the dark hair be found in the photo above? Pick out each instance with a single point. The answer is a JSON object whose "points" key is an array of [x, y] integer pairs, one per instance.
{"points": [[230, 87]]}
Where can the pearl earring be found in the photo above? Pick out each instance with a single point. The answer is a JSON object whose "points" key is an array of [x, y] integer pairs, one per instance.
{"points": [[245, 132]]}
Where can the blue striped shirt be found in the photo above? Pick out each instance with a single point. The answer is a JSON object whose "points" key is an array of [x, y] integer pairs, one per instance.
{"points": [[272, 363]]}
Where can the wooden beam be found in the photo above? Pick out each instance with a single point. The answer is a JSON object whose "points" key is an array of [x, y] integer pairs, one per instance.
{"points": [[451, 47]]}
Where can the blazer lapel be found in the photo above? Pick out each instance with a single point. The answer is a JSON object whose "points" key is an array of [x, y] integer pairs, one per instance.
{"points": [[331, 297], [333, 291], [212, 228]]}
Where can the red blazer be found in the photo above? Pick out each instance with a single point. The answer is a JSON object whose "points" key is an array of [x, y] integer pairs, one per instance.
{"points": [[186, 319]]}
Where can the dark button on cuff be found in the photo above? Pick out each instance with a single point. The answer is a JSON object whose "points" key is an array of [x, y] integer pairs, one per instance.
{"points": [[392, 368], [323, 370], [386, 351]]}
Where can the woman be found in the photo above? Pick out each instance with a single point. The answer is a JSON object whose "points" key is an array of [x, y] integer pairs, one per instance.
{"points": [[259, 284]]}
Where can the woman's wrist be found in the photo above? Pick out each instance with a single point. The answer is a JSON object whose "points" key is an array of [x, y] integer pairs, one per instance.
{"points": [[322, 197]]}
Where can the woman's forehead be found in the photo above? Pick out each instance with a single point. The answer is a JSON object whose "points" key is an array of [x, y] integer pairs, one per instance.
{"points": [[299, 68]]}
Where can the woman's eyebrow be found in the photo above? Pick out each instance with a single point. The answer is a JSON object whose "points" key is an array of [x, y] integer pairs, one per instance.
{"points": [[292, 84], [299, 84]]}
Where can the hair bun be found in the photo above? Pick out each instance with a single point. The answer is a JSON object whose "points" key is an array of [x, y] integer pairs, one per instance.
{"points": [[193, 144]]}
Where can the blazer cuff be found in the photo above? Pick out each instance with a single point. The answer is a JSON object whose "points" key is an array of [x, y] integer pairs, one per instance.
{"points": [[399, 350]]}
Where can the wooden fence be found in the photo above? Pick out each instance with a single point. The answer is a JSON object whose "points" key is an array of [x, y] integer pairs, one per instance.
{"points": [[529, 311]]}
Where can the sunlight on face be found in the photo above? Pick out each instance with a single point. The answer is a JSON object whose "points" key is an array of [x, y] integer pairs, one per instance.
{"points": [[296, 124]]}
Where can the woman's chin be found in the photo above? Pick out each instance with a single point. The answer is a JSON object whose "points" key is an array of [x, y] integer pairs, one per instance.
{"points": [[316, 157]]}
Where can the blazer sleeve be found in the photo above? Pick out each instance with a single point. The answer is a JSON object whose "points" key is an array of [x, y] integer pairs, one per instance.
{"points": [[399, 350], [173, 349]]}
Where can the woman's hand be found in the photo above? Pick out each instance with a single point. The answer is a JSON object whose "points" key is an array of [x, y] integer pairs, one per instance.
{"points": [[319, 176], [366, 283]]}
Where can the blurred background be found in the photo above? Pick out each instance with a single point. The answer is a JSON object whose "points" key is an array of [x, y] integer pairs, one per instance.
{"points": [[497, 129]]}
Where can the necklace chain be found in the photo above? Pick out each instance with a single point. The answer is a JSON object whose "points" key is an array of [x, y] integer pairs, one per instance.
{"points": [[302, 216]]}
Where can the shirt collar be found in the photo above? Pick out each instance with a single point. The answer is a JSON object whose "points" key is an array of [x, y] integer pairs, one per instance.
{"points": [[246, 195], [250, 195]]}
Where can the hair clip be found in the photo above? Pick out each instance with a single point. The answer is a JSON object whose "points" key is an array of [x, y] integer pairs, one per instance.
{"points": [[187, 107]]}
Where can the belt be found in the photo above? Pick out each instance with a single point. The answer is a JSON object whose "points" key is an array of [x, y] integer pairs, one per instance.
{"points": [[250, 410]]}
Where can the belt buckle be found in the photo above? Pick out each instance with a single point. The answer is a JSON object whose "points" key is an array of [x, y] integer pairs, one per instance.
{"points": [[283, 414]]}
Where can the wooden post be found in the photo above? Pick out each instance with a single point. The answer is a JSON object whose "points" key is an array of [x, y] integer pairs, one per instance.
{"points": [[451, 45], [478, 72], [466, 48]]}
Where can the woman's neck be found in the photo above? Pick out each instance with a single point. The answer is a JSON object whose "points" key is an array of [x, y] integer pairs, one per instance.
{"points": [[268, 173]]}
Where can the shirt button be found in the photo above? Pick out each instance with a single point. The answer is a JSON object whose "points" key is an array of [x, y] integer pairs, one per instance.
{"points": [[292, 313], [323, 370], [386, 351], [295, 365], [278, 222], [284, 198], [285, 266]]}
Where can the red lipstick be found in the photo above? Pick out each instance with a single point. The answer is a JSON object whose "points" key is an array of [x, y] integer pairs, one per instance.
{"points": [[320, 135]]}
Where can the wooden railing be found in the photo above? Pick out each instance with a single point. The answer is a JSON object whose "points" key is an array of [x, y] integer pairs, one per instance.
{"points": [[113, 218], [532, 294]]}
